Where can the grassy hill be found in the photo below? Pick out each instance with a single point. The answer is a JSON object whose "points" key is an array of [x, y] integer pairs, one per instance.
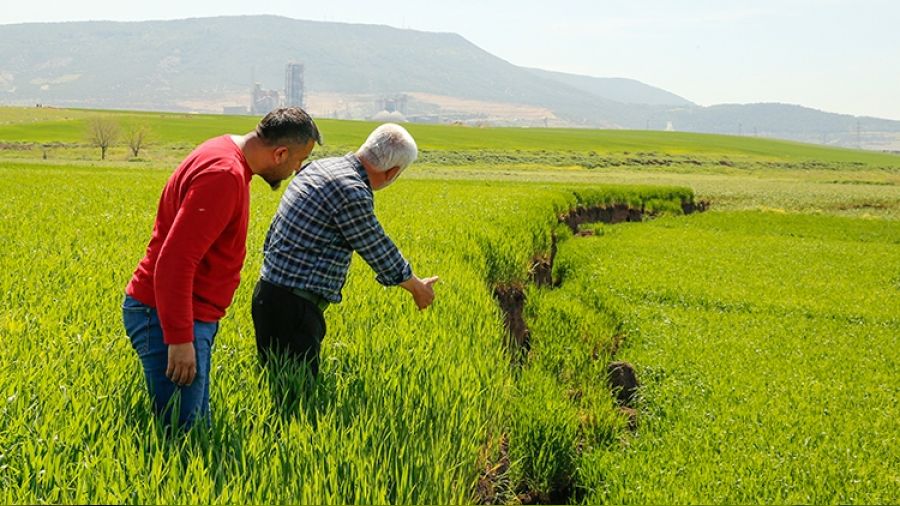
{"points": [[155, 64], [202, 64]]}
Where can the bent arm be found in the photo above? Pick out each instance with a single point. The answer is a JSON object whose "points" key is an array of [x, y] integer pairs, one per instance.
{"points": [[357, 223]]}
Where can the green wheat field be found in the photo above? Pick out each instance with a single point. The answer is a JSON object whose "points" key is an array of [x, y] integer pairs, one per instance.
{"points": [[764, 332]]}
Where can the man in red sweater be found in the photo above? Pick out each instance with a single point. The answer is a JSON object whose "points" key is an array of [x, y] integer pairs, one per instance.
{"points": [[187, 278]]}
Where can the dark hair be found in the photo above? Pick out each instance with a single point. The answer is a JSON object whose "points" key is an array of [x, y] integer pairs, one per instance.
{"points": [[290, 125]]}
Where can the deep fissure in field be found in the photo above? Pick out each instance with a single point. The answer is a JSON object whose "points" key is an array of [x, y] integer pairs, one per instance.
{"points": [[511, 296], [494, 485]]}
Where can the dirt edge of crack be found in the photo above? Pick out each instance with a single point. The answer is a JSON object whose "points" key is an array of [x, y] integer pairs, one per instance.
{"points": [[511, 296], [493, 485]]}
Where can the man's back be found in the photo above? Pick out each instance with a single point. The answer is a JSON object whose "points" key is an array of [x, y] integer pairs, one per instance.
{"points": [[326, 213], [201, 223]]}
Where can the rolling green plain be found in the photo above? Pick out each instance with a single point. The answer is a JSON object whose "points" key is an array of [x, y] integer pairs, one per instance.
{"points": [[763, 331]]}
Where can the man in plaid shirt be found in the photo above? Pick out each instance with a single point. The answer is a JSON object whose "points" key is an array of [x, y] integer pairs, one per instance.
{"points": [[327, 213]]}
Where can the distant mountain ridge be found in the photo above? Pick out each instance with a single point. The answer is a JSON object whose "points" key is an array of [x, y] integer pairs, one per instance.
{"points": [[204, 63], [161, 60], [626, 91]]}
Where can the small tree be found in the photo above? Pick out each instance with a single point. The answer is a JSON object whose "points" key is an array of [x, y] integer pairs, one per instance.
{"points": [[136, 137], [102, 133]]}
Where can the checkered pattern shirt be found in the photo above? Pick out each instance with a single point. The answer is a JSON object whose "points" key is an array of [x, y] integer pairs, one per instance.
{"points": [[327, 212]]}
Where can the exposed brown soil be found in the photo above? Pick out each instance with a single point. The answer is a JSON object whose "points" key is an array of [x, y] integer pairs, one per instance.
{"points": [[617, 213], [512, 298], [512, 301], [623, 382], [542, 267], [690, 207], [493, 485], [559, 493], [536, 497], [542, 272]]}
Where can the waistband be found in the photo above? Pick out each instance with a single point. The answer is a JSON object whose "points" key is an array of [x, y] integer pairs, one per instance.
{"points": [[317, 300]]}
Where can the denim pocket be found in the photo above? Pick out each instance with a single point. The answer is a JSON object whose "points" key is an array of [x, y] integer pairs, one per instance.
{"points": [[136, 318]]}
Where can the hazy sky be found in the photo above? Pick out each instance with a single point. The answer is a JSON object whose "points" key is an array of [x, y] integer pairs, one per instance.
{"points": [[836, 55]]}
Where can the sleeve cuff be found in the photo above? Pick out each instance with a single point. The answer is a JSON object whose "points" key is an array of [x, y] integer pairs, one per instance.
{"points": [[395, 280], [179, 335]]}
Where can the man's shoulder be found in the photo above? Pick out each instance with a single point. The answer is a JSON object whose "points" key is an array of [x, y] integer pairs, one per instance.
{"points": [[217, 157], [337, 164], [341, 171], [219, 147]]}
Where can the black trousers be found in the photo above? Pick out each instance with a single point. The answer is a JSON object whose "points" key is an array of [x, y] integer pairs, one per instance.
{"points": [[286, 325]]}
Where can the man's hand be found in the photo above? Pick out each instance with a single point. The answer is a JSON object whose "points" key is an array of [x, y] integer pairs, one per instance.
{"points": [[422, 290], [182, 367]]}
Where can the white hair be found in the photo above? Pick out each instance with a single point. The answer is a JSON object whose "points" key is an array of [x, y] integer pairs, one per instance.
{"points": [[389, 146]]}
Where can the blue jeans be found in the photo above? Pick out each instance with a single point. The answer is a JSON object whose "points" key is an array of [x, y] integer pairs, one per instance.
{"points": [[143, 329]]}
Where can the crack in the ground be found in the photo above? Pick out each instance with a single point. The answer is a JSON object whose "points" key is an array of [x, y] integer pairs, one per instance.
{"points": [[493, 486]]}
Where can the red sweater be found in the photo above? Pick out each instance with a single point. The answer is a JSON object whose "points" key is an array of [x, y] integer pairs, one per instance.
{"points": [[193, 262]]}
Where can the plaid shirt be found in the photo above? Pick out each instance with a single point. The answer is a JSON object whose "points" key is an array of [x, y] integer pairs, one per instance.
{"points": [[326, 213]]}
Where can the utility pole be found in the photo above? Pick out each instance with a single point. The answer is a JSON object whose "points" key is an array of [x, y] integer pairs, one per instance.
{"points": [[858, 140]]}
